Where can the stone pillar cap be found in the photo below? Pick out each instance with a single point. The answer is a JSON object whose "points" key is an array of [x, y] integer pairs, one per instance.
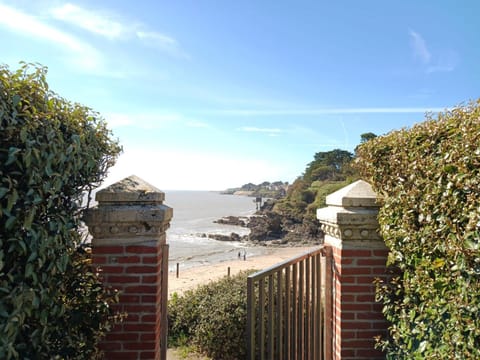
{"points": [[357, 194], [130, 190]]}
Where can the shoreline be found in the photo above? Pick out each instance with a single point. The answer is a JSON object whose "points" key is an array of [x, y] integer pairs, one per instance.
{"points": [[192, 277]]}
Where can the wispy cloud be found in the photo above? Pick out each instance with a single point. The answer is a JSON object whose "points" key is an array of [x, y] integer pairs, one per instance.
{"points": [[110, 26], [272, 132], [162, 42], [419, 46], [319, 111], [91, 21], [443, 62], [80, 53]]}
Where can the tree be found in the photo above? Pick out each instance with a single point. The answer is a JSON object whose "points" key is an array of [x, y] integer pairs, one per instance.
{"points": [[52, 304], [328, 165]]}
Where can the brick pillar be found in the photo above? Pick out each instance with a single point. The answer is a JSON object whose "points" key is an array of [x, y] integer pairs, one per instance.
{"points": [[359, 256], [129, 246]]}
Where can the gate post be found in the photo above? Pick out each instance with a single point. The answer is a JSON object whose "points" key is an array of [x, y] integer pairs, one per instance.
{"points": [[359, 256], [129, 247]]}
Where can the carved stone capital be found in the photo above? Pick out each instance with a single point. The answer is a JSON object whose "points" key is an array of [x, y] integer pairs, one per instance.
{"points": [[130, 211], [351, 214]]}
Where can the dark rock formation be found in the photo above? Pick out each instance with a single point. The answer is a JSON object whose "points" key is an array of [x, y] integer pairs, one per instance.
{"points": [[232, 220], [220, 237]]}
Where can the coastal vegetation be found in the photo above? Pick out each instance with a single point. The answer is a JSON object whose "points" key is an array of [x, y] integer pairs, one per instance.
{"points": [[211, 318], [52, 304], [274, 190], [429, 180], [290, 218]]}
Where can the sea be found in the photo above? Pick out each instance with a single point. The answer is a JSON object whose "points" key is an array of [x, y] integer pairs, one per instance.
{"points": [[194, 213]]}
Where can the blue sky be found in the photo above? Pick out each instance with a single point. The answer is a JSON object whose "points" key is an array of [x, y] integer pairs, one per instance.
{"points": [[209, 94]]}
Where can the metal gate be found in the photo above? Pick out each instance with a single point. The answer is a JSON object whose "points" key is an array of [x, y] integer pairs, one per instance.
{"points": [[289, 309]]}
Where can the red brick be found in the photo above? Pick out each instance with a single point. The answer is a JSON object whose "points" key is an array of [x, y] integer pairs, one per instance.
{"points": [[149, 318], [380, 325], [140, 308], [110, 346], [356, 253], [97, 259], [112, 269], [124, 298], [131, 318], [123, 279], [366, 335], [355, 271], [360, 343], [365, 279], [358, 289], [139, 249], [347, 279], [145, 269], [366, 298], [149, 279], [149, 299], [111, 336], [139, 346], [139, 327], [147, 355], [345, 298], [356, 307], [371, 262], [108, 250], [382, 253], [148, 337], [129, 260], [347, 324], [370, 315], [346, 352], [150, 260], [348, 334], [141, 289]]}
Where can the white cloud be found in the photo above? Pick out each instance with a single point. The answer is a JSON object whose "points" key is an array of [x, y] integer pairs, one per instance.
{"points": [[316, 112], [80, 53], [419, 46], [444, 61], [89, 20], [162, 42], [109, 26]]}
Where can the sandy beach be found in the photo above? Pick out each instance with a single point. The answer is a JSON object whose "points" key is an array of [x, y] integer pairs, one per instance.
{"points": [[192, 277]]}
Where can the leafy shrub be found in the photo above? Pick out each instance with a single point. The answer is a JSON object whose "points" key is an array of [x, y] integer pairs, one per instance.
{"points": [[429, 177], [51, 152], [213, 317]]}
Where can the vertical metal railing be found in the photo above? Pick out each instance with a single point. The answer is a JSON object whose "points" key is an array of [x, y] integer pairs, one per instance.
{"points": [[289, 309]]}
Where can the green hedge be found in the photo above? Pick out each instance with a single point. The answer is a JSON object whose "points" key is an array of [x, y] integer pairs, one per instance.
{"points": [[212, 317], [51, 152], [429, 177]]}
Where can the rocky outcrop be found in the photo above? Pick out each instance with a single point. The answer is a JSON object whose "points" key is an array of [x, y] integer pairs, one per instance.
{"points": [[265, 227], [233, 220], [220, 237]]}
